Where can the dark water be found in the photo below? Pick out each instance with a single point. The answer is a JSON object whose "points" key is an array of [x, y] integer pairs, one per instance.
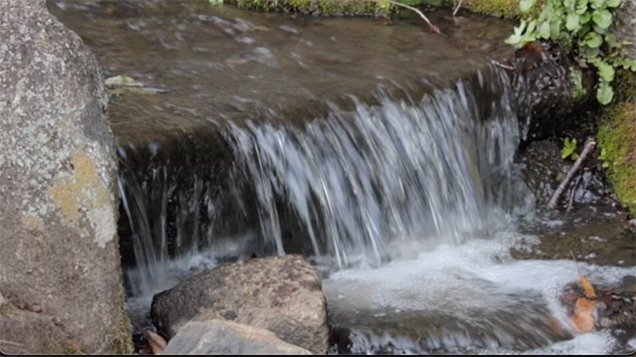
{"points": [[383, 152]]}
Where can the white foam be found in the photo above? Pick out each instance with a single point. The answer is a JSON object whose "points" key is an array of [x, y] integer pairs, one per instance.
{"points": [[478, 275]]}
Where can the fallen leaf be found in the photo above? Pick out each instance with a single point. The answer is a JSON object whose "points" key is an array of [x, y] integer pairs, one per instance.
{"points": [[156, 342], [588, 289], [583, 315]]}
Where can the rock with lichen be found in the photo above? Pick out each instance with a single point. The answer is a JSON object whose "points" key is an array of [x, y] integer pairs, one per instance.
{"points": [[57, 186]]}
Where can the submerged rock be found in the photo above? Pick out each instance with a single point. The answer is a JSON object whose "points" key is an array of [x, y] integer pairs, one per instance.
{"points": [[228, 338], [57, 188], [281, 294]]}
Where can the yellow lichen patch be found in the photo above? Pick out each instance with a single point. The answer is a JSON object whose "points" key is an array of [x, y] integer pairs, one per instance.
{"points": [[66, 195], [83, 194], [86, 174]]}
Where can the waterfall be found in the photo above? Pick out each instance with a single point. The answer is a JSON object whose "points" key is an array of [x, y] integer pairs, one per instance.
{"points": [[439, 168], [341, 188]]}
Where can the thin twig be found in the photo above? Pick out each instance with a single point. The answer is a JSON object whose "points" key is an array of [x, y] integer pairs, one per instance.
{"points": [[459, 4], [589, 145], [504, 66], [417, 11]]}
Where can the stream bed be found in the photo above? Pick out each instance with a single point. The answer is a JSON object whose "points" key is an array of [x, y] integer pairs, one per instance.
{"points": [[386, 154]]}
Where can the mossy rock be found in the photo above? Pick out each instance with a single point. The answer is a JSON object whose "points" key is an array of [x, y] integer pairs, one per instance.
{"points": [[617, 139], [499, 8]]}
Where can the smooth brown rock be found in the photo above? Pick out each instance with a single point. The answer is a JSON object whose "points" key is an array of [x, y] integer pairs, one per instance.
{"points": [[281, 294], [221, 337]]}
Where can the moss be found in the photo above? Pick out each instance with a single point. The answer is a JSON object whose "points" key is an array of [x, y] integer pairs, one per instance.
{"points": [[499, 8], [124, 345], [617, 139], [69, 349], [315, 7]]}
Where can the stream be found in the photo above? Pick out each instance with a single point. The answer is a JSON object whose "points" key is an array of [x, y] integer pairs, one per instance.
{"points": [[384, 153]]}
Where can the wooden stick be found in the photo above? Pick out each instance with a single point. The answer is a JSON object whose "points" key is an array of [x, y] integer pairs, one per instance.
{"points": [[459, 4], [504, 66], [417, 11], [589, 145]]}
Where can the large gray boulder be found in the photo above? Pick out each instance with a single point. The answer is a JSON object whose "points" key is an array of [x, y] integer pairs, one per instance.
{"points": [[57, 184], [281, 294], [222, 337]]}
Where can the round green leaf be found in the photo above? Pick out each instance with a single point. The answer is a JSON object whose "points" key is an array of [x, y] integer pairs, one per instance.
{"points": [[555, 28], [613, 3], [593, 40], [544, 29], [605, 93], [611, 40], [605, 70], [581, 6], [572, 22], [602, 18], [597, 4], [585, 18]]}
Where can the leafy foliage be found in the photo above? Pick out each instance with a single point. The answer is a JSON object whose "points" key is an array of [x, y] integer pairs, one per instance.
{"points": [[583, 26], [569, 149]]}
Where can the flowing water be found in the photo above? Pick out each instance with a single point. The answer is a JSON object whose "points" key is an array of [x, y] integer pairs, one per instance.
{"points": [[383, 153]]}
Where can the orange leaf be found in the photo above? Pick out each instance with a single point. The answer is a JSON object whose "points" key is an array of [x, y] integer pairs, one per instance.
{"points": [[583, 315], [588, 290]]}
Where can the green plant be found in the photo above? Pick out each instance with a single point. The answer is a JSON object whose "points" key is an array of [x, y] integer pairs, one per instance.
{"points": [[605, 159], [576, 78], [569, 149], [583, 26]]}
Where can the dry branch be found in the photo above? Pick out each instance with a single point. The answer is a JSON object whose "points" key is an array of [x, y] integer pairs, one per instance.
{"points": [[459, 4], [589, 145], [417, 11]]}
